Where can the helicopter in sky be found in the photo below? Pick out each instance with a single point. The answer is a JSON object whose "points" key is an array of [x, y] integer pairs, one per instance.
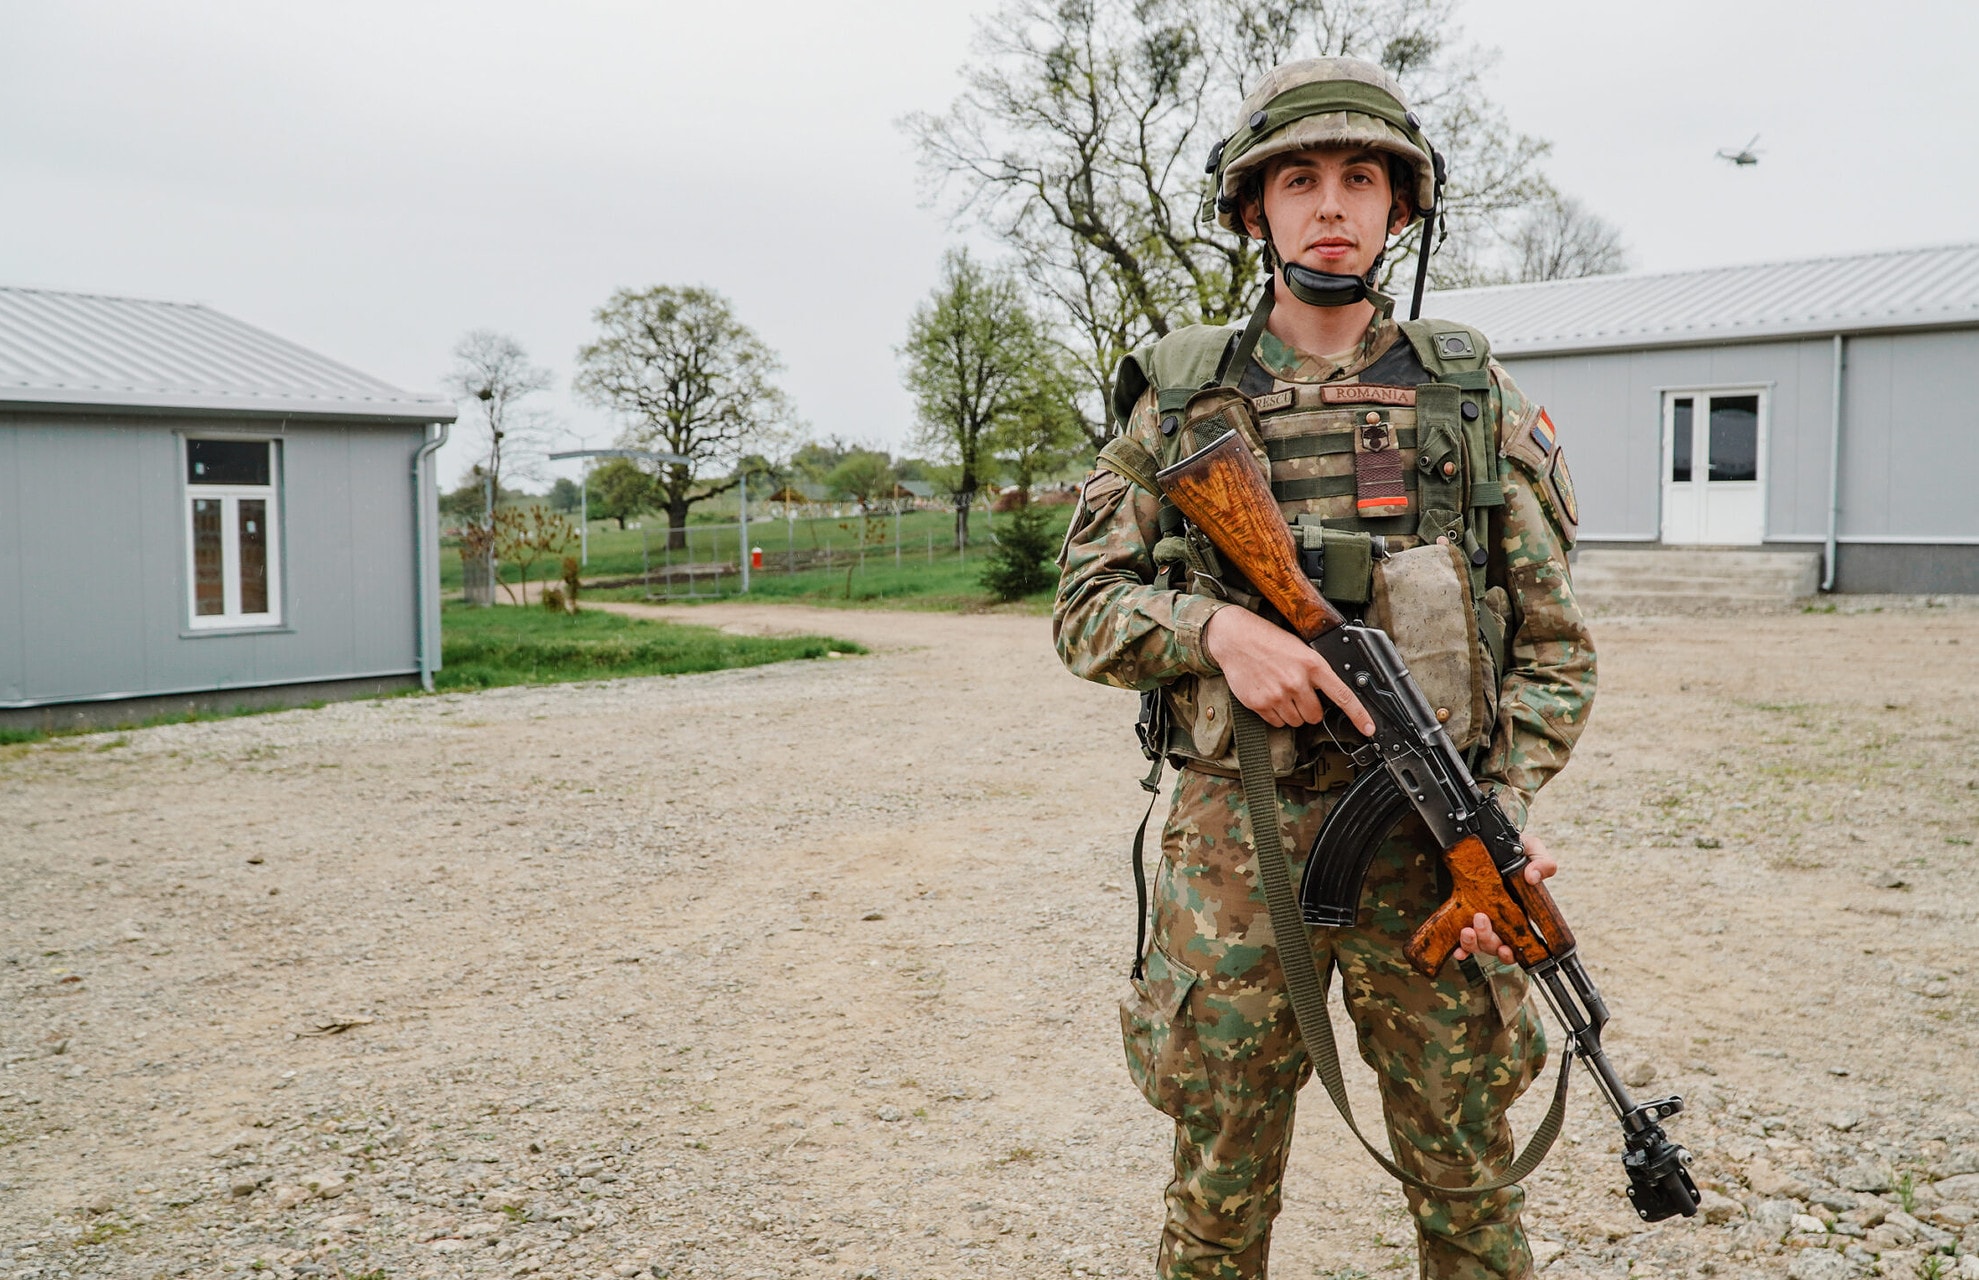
{"points": [[1745, 155]]}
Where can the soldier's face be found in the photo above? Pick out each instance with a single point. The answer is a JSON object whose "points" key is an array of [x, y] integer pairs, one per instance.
{"points": [[1331, 209]]}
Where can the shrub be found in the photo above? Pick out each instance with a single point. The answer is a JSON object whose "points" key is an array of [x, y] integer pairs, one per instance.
{"points": [[1020, 563]]}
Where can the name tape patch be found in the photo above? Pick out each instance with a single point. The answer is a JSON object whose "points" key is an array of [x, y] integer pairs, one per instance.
{"points": [[1367, 393]]}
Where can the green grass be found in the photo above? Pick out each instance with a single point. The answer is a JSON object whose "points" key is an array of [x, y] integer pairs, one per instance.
{"points": [[484, 648], [926, 574]]}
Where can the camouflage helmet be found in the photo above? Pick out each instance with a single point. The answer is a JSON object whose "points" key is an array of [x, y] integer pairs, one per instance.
{"points": [[1320, 102]]}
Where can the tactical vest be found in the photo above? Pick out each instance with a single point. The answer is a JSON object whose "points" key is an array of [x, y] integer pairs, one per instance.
{"points": [[1428, 398]]}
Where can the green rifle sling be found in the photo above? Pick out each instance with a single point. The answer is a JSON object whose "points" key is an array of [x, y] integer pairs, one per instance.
{"points": [[1307, 989]]}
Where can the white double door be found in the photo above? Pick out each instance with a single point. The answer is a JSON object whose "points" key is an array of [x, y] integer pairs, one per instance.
{"points": [[1714, 459]]}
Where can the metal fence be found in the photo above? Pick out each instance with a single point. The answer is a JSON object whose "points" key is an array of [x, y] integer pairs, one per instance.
{"points": [[720, 559]]}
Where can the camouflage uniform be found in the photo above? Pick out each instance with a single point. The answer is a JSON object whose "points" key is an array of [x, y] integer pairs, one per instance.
{"points": [[1211, 1037]]}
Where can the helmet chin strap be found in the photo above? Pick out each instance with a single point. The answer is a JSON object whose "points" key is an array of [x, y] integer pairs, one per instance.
{"points": [[1324, 288], [1321, 288]]}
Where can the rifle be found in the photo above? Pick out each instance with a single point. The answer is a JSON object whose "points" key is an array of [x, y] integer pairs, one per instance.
{"points": [[1222, 491]]}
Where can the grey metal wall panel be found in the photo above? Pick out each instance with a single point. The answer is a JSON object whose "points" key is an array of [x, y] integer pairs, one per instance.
{"points": [[1593, 403], [381, 548], [13, 620], [1797, 484], [322, 574], [1910, 436], [81, 586], [93, 560]]}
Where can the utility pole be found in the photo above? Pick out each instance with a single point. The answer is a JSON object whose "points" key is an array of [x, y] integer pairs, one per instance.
{"points": [[487, 397], [742, 480]]}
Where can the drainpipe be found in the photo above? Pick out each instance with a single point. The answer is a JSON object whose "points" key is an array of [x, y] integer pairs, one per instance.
{"points": [[1834, 469], [422, 639]]}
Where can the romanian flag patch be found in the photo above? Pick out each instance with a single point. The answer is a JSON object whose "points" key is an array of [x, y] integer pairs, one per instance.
{"points": [[1542, 431]]}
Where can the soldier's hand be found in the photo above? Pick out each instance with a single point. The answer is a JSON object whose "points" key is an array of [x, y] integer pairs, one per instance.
{"points": [[1276, 674], [1480, 936]]}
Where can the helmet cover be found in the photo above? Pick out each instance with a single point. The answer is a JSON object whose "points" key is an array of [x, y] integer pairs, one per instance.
{"points": [[1320, 102]]}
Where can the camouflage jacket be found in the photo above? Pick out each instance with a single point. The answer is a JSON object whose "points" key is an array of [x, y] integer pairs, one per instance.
{"points": [[1113, 624]]}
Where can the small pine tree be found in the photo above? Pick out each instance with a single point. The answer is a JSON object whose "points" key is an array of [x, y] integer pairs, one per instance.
{"points": [[1020, 563]]}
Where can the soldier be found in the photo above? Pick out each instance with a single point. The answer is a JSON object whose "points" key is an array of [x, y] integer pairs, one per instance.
{"points": [[1326, 164]]}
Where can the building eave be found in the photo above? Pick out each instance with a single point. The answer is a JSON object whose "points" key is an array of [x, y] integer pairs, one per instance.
{"points": [[1600, 344], [83, 400]]}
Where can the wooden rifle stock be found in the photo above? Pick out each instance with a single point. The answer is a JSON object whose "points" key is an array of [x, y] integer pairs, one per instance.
{"points": [[1222, 491]]}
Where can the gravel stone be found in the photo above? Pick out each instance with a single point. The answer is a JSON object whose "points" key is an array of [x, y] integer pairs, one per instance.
{"points": [[1821, 1264], [567, 920]]}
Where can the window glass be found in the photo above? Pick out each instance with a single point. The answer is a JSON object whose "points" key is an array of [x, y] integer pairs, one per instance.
{"points": [[1680, 441], [1734, 437], [254, 555], [226, 462], [209, 592]]}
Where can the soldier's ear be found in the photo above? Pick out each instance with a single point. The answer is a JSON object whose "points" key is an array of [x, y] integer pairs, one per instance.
{"points": [[1400, 214]]}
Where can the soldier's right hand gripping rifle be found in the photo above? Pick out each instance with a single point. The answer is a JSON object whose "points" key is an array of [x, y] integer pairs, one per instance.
{"points": [[1410, 762]]}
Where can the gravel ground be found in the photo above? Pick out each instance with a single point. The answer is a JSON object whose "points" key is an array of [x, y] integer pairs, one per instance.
{"points": [[810, 971]]}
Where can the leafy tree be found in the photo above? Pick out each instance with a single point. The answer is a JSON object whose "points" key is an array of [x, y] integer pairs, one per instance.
{"points": [[691, 379], [1020, 562], [969, 351], [1079, 140], [1043, 431], [467, 503], [565, 496], [620, 490], [864, 475]]}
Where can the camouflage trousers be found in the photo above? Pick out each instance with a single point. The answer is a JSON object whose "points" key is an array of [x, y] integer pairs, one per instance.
{"points": [[1212, 1041]]}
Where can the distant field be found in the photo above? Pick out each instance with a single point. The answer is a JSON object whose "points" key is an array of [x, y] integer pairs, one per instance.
{"points": [[814, 561], [483, 648]]}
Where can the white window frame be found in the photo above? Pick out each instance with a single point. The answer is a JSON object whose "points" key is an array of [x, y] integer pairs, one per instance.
{"points": [[230, 618], [1700, 462]]}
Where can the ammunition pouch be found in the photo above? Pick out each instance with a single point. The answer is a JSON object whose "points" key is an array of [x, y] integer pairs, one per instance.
{"points": [[1422, 599], [1340, 562]]}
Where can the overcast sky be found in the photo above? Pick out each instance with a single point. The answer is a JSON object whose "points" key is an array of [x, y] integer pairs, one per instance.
{"points": [[371, 180]]}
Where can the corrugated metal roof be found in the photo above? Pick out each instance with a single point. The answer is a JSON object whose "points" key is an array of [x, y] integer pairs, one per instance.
{"points": [[1901, 289], [79, 349]]}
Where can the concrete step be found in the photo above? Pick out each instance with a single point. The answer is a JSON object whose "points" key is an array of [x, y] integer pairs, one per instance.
{"points": [[1685, 579]]}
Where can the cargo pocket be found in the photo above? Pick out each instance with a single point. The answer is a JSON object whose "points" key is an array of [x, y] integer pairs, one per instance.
{"points": [[1519, 1049], [1163, 1055]]}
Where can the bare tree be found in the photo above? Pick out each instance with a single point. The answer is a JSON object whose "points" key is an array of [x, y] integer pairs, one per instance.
{"points": [[969, 353], [1080, 137], [492, 372], [692, 380], [1559, 239]]}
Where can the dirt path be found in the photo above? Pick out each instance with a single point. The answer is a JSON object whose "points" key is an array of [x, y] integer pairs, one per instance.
{"points": [[809, 970]]}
